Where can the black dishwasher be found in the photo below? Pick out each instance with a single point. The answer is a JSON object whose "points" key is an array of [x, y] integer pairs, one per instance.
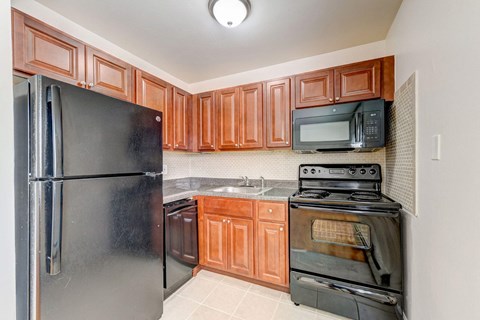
{"points": [[181, 243]]}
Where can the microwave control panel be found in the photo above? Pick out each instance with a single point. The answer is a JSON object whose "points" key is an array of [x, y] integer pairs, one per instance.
{"points": [[372, 121]]}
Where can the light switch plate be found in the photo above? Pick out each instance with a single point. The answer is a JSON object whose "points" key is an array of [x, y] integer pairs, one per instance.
{"points": [[165, 169], [436, 140]]}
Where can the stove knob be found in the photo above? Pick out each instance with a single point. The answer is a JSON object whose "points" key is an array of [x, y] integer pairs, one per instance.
{"points": [[372, 171], [363, 171], [352, 171], [312, 171], [305, 171]]}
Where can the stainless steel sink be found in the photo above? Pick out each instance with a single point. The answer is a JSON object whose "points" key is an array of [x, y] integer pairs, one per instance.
{"points": [[242, 190]]}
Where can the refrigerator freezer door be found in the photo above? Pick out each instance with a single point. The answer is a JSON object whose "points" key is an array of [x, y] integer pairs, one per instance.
{"points": [[80, 133], [108, 250]]}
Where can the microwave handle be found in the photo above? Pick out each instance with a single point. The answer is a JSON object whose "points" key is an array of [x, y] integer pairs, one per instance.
{"points": [[358, 126]]}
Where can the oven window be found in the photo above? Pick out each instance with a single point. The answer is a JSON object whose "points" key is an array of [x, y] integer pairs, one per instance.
{"points": [[326, 131], [351, 234]]}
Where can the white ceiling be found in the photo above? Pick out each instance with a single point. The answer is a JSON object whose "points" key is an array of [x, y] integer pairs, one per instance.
{"points": [[180, 36]]}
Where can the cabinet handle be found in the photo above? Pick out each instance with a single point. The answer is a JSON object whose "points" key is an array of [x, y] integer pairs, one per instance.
{"points": [[270, 210], [82, 83], [331, 99], [281, 228], [90, 85], [337, 98]]}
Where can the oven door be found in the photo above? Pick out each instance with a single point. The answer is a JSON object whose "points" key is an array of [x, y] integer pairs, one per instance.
{"points": [[356, 246], [324, 131]]}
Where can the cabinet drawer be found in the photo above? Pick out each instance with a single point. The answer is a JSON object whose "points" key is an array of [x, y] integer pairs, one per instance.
{"points": [[276, 211], [228, 206]]}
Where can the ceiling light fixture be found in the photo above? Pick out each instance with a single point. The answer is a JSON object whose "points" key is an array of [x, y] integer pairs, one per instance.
{"points": [[229, 13]]}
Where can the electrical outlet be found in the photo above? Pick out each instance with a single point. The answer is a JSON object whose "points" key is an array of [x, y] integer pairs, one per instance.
{"points": [[165, 169]]}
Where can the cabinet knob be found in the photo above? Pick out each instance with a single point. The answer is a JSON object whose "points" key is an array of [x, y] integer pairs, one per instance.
{"points": [[90, 85], [169, 145], [281, 228], [176, 145], [240, 144], [236, 144], [337, 98], [331, 99], [82, 83], [228, 221], [270, 210], [224, 220], [211, 146], [286, 142]]}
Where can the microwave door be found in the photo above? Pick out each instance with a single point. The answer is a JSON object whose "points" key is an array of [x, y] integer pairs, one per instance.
{"points": [[335, 132]]}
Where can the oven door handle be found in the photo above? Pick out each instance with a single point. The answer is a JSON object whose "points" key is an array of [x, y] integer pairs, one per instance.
{"points": [[180, 210], [358, 212], [377, 297]]}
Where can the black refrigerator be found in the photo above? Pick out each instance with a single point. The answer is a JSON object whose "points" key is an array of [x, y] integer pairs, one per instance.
{"points": [[89, 206]]}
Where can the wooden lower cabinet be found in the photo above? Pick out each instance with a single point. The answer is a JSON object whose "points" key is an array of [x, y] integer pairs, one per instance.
{"points": [[240, 246], [215, 242], [245, 237], [272, 252]]}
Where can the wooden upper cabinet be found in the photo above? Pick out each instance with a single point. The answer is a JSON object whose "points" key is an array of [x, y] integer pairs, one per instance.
{"points": [[151, 92], [39, 49], [181, 118], [358, 81], [314, 88], [227, 106], [215, 241], [206, 121], [278, 114], [240, 246], [251, 116], [108, 75]]}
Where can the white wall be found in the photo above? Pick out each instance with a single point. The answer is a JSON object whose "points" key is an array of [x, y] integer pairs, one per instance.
{"points": [[7, 241], [364, 52], [440, 39]]}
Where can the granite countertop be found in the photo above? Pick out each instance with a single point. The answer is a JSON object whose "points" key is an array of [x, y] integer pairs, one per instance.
{"points": [[188, 187]]}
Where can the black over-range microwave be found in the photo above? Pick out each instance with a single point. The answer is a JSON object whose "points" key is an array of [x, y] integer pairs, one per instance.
{"points": [[357, 126]]}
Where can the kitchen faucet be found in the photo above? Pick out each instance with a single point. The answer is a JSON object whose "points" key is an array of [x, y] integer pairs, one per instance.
{"points": [[263, 181], [245, 181]]}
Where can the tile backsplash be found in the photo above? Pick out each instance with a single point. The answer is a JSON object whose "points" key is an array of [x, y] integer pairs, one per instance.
{"points": [[272, 165], [401, 146]]}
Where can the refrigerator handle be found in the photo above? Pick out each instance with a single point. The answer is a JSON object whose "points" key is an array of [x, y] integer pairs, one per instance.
{"points": [[55, 248], [57, 134]]}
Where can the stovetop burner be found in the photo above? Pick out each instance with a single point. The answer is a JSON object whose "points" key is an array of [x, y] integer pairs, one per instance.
{"points": [[365, 196], [314, 194]]}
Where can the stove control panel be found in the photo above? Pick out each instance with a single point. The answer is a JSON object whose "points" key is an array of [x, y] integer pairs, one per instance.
{"points": [[370, 172]]}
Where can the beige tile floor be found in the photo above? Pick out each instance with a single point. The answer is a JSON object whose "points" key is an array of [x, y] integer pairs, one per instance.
{"points": [[211, 296]]}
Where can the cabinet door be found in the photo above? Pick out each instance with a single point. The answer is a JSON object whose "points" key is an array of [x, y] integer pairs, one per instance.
{"points": [[240, 246], [189, 241], [206, 121], [358, 81], [215, 238], [39, 49], [174, 241], [251, 116], [108, 75], [180, 119], [314, 89], [154, 93], [227, 119], [272, 252], [278, 125]]}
